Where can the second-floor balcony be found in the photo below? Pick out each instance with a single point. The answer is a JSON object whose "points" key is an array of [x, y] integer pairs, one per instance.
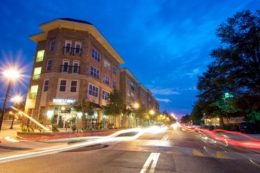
{"points": [[73, 51], [70, 69]]}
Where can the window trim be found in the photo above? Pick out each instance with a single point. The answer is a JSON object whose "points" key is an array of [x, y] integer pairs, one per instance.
{"points": [[95, 73], [46, 86], [65, 85], [76, 86], [104, 91], [95, 93], [49, 66]]}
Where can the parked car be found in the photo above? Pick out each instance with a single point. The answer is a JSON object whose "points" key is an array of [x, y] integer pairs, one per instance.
{"points": [[247, 127]]}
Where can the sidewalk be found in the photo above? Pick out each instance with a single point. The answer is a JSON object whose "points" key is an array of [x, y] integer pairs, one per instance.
{"points": [[7, 132]]}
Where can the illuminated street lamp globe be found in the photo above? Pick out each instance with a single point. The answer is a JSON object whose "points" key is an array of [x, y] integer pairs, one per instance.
{"points": [[136, 105], [11, 74], [151, 112], [17, 99]]}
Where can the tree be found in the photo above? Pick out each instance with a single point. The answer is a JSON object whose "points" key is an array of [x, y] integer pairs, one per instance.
{"points": [[115, 106], [196, 114], [185, 118], [84, 107], [235, 68]]}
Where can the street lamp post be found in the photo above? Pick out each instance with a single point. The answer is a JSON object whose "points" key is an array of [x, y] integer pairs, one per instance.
{"points": [[11, 75], [16, 100]]}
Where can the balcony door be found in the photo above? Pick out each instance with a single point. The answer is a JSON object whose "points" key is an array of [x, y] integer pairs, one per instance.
{"points": [[65, 66]]}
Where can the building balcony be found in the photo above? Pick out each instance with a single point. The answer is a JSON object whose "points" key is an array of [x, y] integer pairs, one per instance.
{"points": [[70, 69], [72, 51]]}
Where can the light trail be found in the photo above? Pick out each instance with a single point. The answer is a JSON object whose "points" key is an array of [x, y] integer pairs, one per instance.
{"points": [[66, 147]]}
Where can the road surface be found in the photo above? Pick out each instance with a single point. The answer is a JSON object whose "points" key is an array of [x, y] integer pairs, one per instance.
{"points": [[170, 151]]}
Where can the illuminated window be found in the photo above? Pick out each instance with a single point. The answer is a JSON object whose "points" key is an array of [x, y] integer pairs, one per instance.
{"points": [[37, 73], [33, 91], [40, 55]]}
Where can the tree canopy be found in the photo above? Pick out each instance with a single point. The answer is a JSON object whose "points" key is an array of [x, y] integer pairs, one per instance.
{"points": [[235, 69]]}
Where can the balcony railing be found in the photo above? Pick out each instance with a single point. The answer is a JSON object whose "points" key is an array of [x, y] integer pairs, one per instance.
{"points": [[73, 51], [70, 69]]}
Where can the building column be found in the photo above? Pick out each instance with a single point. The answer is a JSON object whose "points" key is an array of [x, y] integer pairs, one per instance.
{"points": [[99, 118]]}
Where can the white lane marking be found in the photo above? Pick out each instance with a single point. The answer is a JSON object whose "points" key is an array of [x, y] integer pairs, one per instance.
{"points": [[253, 162], [151, 160]]}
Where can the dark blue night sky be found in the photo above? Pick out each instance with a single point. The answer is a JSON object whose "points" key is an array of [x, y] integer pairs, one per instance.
{"points": [[165, 43]]}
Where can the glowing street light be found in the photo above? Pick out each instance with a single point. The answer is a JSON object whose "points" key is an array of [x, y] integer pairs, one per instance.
{"points": [[17, 99], [151, 112], [136, 105], [11, 74]]}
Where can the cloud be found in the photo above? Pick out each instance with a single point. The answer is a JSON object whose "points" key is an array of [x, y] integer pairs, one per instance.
{"points": [[194, 73], [165, 91], [163, 100]]}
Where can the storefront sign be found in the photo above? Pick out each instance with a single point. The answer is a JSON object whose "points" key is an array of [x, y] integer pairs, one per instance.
{"points": [[60, 101]]}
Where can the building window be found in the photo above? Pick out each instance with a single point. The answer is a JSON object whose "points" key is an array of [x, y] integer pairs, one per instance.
{"points": [[63, 85], [94, 72], [106, 80], [67, 46], [78, 48], [114, 84], [73, 86], [75, 67], [46, 85], [105, 95], [49, 65], [52, 45], [96, 55], [132, 85], [33, 92], [93, 90], [114, 70], [37, 73], [65, 66], [107, 64], [40, 55]]}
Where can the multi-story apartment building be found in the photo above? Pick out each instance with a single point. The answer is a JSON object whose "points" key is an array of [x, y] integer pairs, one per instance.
{"points": [[73, 61], [133, 92], [128, 87]]}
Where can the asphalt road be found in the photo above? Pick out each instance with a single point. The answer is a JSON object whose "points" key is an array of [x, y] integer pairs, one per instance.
{"points": [[171, 151]]}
